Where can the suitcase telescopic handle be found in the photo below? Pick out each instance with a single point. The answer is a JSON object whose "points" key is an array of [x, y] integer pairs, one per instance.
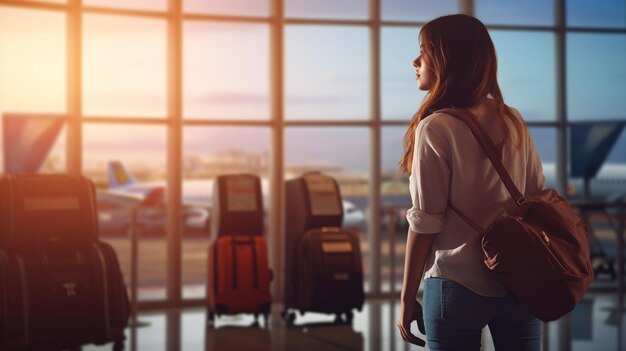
{"points": [[252, 244]]}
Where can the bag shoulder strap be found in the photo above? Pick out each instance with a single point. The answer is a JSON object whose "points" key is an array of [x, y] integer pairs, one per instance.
{"points": [[467, 220], [490, 149]]}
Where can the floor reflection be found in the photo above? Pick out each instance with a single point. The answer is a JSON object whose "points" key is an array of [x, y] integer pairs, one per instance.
{"points": [[594, 325]]}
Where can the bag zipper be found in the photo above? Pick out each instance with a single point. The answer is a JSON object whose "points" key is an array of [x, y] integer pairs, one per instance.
{"points": [[105, 274], [25, 293], [555, 252]]}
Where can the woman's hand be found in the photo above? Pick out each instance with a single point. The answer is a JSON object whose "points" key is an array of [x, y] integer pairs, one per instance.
{"points": [[417, 250], [411, 310]]}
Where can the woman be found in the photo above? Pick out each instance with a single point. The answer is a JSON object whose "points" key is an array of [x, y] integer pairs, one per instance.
{"points": [[447, 167]]}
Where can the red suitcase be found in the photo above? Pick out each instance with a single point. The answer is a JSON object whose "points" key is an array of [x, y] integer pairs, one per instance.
{"points": [[239, 277]]}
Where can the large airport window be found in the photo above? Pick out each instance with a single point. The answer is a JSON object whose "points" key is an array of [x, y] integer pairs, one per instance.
{"points": [[152, 5], [596, 76], [417, 10], [400, 96], [545, 143], [353, 9], [124, 72], [395, 199], [604, 14], [124, 66], [310, 149], [326, 75], [33, 61], [516, 12], [526, 72], [207, 153], [544, 139], [127, 163], [228, 7], [226, 70]]}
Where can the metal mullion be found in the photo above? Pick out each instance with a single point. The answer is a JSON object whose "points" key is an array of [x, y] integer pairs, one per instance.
{"points": [[517, 28], [36, 5], [410, 24], [124, 12], [564, 324], [225, 18], [74, 135], [595, 30], [276, 233], [124, 120], [557, 29], [166, 121], [373, 232], [326, 22], [225, 123], [561, 95], [467, 7], [331, 123], [174, 154]]}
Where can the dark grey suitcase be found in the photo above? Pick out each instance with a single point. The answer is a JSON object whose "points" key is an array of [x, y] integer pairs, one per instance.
{"points": [[59, 286], [323, 262], [329, 276], [237, 206]]}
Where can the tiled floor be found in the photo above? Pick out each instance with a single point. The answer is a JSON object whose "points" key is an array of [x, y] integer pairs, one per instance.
{"points": [[594, 326]]}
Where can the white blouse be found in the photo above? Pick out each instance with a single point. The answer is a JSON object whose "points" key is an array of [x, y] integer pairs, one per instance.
{"points": [[449, 166]]}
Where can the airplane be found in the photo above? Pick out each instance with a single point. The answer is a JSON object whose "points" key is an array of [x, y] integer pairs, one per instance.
{"points": [[115, 211], [608, 185], [197, 199]]}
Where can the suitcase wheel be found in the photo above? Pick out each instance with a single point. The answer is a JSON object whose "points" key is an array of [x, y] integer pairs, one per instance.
{"points": [[210, 318], [289, 317], [266, 320], [118, 345], [221, 309], [338, 319], [265, 308], [349, 316]]}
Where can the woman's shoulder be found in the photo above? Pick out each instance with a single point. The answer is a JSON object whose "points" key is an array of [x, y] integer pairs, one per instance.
{"points": [[442, 123]]}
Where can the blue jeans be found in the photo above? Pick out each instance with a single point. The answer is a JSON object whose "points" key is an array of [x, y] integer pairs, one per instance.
{"points": [[454, 317]]}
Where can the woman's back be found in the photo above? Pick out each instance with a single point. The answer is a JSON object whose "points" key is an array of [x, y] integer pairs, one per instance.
{"points": [[447, 156]]}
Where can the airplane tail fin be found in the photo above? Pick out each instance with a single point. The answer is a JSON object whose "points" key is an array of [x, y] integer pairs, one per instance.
{"points": [[590, 144], [119, 176]]}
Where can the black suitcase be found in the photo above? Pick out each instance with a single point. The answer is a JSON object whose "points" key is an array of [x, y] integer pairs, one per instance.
{"points": [[44, 212], [12, 318], [329, 276], [323, 262], [237, 206], [59, 301], [59, 286]]}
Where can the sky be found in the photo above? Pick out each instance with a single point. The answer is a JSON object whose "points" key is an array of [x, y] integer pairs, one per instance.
{"points": [[226, 73]]}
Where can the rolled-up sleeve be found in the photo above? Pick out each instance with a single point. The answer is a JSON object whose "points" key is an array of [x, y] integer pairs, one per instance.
{"points": [[429, 182]]}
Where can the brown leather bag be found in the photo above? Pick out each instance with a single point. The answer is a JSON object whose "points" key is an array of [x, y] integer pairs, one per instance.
{"points": [[539, 251]]}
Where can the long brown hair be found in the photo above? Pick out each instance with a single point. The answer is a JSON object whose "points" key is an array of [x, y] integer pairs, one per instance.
{"points": [[464, 64]]}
